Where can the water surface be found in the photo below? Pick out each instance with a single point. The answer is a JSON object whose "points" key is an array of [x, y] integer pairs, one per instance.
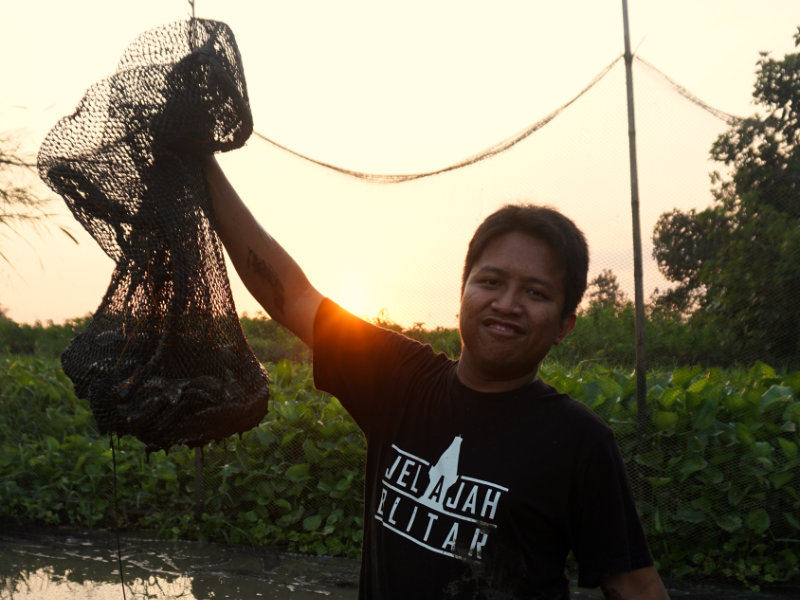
{"points": [[56, 564]]}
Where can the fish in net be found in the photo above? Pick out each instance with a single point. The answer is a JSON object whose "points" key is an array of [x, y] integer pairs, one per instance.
{"points": [[164, 357]]}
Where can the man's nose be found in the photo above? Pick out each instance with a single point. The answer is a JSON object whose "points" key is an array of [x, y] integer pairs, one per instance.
{"points": [[507, 300]]}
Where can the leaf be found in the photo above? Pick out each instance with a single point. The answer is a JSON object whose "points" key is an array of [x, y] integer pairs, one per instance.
{"points": [[665, 420], [788, 447], [780, 479], [729, 523], [668, 398], [757, 520], [792, 520], [792, 413], [698, 386], [653, 458], [298, 472], [681, 377], [312, 523], [744, 434], [284, 504], [694, 393], [311, 452], [658, 481], [692, 464], [763, 450], [711, 476], [690, 515], [776, 394], [265, 436], [735, 402], [705, 416], [760, 371]]}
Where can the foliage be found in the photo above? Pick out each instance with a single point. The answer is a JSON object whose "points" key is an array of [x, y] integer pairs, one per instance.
{"points": [[718, 480], [440, 339], [604, 332], [295, 481], [735, 264], [18, 202], [604, 291], [718, 477], [270, 341], [43, 340]]}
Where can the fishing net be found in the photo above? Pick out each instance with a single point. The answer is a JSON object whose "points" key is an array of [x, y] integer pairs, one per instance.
{"points": [[164, 357]]}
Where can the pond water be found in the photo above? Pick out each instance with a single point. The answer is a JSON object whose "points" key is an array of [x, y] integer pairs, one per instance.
{"points": [[58, 565], [54, 564]]}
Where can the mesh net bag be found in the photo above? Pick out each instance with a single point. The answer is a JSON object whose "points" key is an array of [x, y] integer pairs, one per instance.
{"points": [[164, 357]]}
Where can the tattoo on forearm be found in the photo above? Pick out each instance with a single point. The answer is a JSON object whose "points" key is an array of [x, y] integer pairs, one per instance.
{"points": [[267, 273]]}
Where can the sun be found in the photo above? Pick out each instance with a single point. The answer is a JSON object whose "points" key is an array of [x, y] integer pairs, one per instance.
{"points": [[352, 296]]}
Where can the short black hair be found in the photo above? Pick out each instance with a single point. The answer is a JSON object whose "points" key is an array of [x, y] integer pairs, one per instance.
{"points": [[546, 224]]}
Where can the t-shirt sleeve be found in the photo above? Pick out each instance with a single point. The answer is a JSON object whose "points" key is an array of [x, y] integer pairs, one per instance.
{"points": [[358, 362], [607, 535]]}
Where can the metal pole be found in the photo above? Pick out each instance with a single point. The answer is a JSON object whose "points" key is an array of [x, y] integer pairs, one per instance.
{"points": [[641, 357]]}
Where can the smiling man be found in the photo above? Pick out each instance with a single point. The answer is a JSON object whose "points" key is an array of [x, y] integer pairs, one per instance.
{"points": [[481, 479]]}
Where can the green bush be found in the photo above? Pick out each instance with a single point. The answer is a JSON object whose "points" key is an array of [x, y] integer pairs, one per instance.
{"points": [[718, 474], [271, 342], [295, 481], [41, 340], [717, 478]]}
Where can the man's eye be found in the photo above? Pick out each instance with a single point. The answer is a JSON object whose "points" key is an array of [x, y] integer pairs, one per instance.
{"points": [[535, 293]]}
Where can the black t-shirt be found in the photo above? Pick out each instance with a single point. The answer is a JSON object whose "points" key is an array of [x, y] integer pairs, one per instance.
{"points": [[471, 494]]}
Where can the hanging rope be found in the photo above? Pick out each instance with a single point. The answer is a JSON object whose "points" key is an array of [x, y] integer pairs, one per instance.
{"points": [[722, 115], [116, 514], [489, 152]]}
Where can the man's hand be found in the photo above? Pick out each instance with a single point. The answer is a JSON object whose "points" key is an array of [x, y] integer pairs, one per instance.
{"points": [[641, 584]]}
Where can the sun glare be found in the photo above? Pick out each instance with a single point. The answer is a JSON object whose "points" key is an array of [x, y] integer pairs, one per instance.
{"points": [[352, 296]]}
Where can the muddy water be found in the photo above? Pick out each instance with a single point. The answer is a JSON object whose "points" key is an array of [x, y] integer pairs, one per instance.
{"points": [[55, 565], [48, 564]]}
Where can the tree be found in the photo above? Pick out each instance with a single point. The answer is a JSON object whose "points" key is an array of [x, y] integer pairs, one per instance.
{"points": [[736, 264], [18, 203], [604, 291]]}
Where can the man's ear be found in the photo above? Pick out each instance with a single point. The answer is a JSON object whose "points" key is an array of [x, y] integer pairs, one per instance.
{"points": [[567, 323]]}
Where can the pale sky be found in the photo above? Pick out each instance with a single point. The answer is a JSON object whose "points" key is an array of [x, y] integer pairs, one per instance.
{"points": [[397, 88]]}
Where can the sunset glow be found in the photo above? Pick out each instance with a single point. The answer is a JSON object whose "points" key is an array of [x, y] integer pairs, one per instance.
{"points": [[353, 296], [391, 88]]}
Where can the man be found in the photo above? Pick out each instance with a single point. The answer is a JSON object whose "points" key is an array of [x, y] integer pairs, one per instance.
{"points": [[480, 478]]}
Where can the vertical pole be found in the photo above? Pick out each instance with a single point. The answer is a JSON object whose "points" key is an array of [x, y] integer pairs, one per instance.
{"points": [[199, 503], [641, 357]]}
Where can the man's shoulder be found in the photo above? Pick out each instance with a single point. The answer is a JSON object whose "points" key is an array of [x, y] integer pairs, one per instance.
{"points": [[573, 412]]}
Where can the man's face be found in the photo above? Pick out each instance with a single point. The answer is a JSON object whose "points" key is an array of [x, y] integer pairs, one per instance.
{"points": [[510, 313]]}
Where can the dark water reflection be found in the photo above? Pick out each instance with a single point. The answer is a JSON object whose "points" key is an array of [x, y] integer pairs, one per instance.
{"points": [[50, 564], [58, 565]]}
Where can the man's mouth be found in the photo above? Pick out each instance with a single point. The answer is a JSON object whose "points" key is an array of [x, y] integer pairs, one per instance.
{"points": [[503, 326]]}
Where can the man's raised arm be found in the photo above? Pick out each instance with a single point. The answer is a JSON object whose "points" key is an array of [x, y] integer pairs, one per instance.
{"points": [[272, 276]]}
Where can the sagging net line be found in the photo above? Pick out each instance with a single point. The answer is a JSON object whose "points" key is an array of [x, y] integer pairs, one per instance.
{"points": [[164, 357], [510, 141], [497, 148]]}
